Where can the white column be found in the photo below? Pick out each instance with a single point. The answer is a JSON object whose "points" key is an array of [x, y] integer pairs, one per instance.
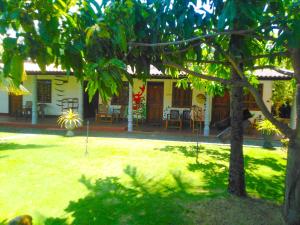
{"points": [[293, 120], [130, 116], [34, 113], [80, 100], [207, 115]]}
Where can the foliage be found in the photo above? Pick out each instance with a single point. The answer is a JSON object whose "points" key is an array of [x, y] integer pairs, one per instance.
{"points": [[69, 119], [285, 143], [139, 103], [8, 85], [266, 127], [283, 94]]}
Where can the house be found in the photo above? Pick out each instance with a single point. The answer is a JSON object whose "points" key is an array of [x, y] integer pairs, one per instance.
{"points": [[158, 94]]}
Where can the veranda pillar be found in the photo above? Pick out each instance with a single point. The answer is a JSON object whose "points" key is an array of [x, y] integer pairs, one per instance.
{"points": [[80, 102], [130, 115], [34, 113], [207, 115]]}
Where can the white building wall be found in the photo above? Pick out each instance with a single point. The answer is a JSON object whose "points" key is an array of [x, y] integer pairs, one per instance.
{"points": [[71, 90], [267, 96], [4, 102]]}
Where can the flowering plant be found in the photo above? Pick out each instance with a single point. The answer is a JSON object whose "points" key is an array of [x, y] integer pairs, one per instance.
{"points": [[139, 105]]}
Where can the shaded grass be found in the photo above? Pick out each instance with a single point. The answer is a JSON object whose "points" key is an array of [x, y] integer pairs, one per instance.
{"points": [[130, 181], [14, 146]]}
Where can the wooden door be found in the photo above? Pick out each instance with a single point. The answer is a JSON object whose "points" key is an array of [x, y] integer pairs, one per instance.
{"points": [[155, 100], [15, 103], [221, 107]]}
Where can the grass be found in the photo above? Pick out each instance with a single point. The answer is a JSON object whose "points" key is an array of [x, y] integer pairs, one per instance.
{"points": [[6, 134], [134, 181]]}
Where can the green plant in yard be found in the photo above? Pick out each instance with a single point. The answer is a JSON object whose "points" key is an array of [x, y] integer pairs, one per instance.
{"points": [[266, 127], [70, 120], [285, 143], [268, 130]]}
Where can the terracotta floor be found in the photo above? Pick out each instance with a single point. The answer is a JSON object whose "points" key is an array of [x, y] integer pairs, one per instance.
{"points": [[50, 123]]}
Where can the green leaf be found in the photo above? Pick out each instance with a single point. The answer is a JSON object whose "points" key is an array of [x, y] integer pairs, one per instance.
{"points": [[118, 63], [89, 32], [228, 14], [9, 43], [121, 38], [17, 68]]}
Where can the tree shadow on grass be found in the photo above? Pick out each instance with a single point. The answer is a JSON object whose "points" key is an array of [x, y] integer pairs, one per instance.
{"points": [[15, 146], [141, 202], [213, 164]]}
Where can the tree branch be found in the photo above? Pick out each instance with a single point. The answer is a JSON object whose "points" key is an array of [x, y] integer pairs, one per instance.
{"points": [[209, 62], [204, 36], [199, 75], [182, 50]]}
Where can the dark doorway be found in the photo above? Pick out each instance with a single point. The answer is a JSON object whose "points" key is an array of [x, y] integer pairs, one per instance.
{"points": [[221, 107], [89, 107], [15, 104], [155, 100]]}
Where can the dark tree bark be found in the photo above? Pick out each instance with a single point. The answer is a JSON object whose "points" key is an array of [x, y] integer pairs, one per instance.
{"points": [[292, 182], [236, 183]]}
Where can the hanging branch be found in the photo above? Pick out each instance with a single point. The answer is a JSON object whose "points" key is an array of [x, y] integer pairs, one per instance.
{"points": [[202, 76], [208, 62], [205, 36], [182, 50]]}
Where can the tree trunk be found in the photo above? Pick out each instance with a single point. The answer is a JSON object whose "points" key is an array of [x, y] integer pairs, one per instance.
{"points": [[236, 183], [292, 182]]}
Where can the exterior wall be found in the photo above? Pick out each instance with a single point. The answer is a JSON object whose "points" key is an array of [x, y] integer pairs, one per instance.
{"points": [[167, 99], [4, 102], [71, 90], [267, 95]]}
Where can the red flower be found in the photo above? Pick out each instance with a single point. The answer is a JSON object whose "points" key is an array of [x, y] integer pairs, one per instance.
{"points": [[142, 89], [137, 98]]}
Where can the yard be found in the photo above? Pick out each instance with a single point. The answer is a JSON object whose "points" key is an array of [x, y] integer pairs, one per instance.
{"points": [[133, 179]]}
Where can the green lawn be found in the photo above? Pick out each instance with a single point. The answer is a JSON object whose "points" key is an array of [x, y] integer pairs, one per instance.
{"points": [[134, 181], [6, 134]]}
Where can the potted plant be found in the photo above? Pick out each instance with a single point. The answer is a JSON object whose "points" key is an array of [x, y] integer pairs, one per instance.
{"points": [[70, 120], [268, 131]]}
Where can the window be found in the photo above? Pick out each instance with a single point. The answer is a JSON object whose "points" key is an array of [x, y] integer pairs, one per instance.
{"points": [[249, 101], [44, 91], [181, 98], [122, 98]]}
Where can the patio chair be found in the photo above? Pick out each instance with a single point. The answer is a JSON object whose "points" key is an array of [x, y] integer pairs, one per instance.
{"points": [[186, 116], [75, 104], [196, 117], [123, 112], [41, 110], [27, 109], [174, 118], [102, 114]]}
